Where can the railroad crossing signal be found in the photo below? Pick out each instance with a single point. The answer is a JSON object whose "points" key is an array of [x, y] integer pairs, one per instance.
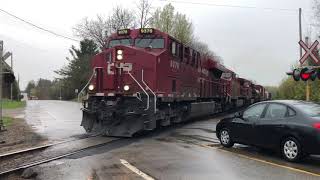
{"points": [[309, 52], [8, 77], [305, 73]]}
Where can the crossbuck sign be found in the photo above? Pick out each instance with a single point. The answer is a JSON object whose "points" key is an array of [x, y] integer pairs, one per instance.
{"points": [[309, 52]]}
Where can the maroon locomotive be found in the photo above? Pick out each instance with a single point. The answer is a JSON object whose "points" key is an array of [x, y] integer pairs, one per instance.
{"points": [[145, 78]]}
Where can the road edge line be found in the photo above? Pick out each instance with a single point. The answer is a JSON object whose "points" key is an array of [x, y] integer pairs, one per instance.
{"points": [[136, 170], [265, 162]]}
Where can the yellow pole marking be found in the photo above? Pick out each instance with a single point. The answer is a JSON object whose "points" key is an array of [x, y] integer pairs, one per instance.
{"points": [[136, 170], [265, 162]]}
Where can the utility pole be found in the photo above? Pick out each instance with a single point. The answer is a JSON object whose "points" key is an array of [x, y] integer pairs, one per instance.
{"points": [[11, 85], [300, 31], [60, 92], [1, 53]]}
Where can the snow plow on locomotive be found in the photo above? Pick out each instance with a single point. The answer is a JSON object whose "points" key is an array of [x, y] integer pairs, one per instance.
{"points": [[145, 78]]}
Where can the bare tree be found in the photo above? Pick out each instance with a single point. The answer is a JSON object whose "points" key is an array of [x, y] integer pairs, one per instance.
{"points": [[143, 13], [100, 28], [204, 50], [97, 30], [121, 18]]}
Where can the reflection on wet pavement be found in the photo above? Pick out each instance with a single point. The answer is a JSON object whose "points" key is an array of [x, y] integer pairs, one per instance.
{"points": [[56, 120], [191, 151]]}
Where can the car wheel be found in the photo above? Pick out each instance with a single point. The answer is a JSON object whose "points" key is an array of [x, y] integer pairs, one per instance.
{"points": [[225, 138], [291, 149]]}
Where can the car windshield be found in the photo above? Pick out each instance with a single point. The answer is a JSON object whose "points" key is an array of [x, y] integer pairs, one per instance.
{"points": [[149, 42], [311, 109], [116, 42]]}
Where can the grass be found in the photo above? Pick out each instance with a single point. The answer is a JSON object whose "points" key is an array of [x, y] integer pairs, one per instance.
{"points": [[8, 104], [7, 121]]}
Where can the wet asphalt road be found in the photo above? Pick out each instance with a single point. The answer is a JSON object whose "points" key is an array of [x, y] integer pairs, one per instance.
{"points": [[187, 151], [56, 120]]}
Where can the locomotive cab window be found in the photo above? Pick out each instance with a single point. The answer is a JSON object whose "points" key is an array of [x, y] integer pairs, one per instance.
{"points": [[116, 42], [154, 43]]}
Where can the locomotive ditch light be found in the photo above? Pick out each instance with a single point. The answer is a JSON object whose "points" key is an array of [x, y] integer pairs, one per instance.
{"points": [[91, 87], [126, 87]]}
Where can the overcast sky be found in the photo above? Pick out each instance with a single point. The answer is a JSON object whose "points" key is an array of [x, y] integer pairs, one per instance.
{"points": [[256, 43]]}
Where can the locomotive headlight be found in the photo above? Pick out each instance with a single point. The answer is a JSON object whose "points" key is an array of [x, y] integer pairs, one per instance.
{"points": [[119, 52], [119, 57], [91, 87], [126, 87]]}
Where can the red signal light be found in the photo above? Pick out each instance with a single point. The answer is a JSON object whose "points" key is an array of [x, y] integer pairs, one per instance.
{"points": [[305, 73], [305, 76], [316, 125]]}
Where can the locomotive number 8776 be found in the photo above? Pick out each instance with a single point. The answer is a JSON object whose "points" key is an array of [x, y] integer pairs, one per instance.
{"points": [[145, 78]]}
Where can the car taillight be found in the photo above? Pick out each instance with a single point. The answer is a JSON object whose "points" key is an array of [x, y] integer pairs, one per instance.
{"points": [[316, 125]]}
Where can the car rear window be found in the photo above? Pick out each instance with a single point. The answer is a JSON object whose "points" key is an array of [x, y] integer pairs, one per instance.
{"points": [[311, 109]]}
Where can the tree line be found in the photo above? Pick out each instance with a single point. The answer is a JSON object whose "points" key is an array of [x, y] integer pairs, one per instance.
{"points": [[72, 78]]}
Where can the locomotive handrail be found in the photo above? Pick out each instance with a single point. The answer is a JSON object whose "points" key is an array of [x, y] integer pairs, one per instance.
{"points": [[155, 97], [141, 88], [93, 73]]}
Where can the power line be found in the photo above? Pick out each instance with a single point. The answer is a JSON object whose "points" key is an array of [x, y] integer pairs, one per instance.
{"points": [[38, 27], [232, 6]]}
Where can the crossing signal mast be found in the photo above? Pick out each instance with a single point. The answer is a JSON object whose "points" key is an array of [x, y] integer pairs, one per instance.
{"points": [[306, 73]]}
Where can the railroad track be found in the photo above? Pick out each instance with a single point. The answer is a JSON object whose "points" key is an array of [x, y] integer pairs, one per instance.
{"points": [[20, 160], [32, 149]]}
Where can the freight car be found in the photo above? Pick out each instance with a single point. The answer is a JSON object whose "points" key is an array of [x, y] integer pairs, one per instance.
{"points": [[145, 78]]}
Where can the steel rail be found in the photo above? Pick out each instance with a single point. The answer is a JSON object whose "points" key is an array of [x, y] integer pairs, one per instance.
{"points": [[46, 160], [5, 155]]}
